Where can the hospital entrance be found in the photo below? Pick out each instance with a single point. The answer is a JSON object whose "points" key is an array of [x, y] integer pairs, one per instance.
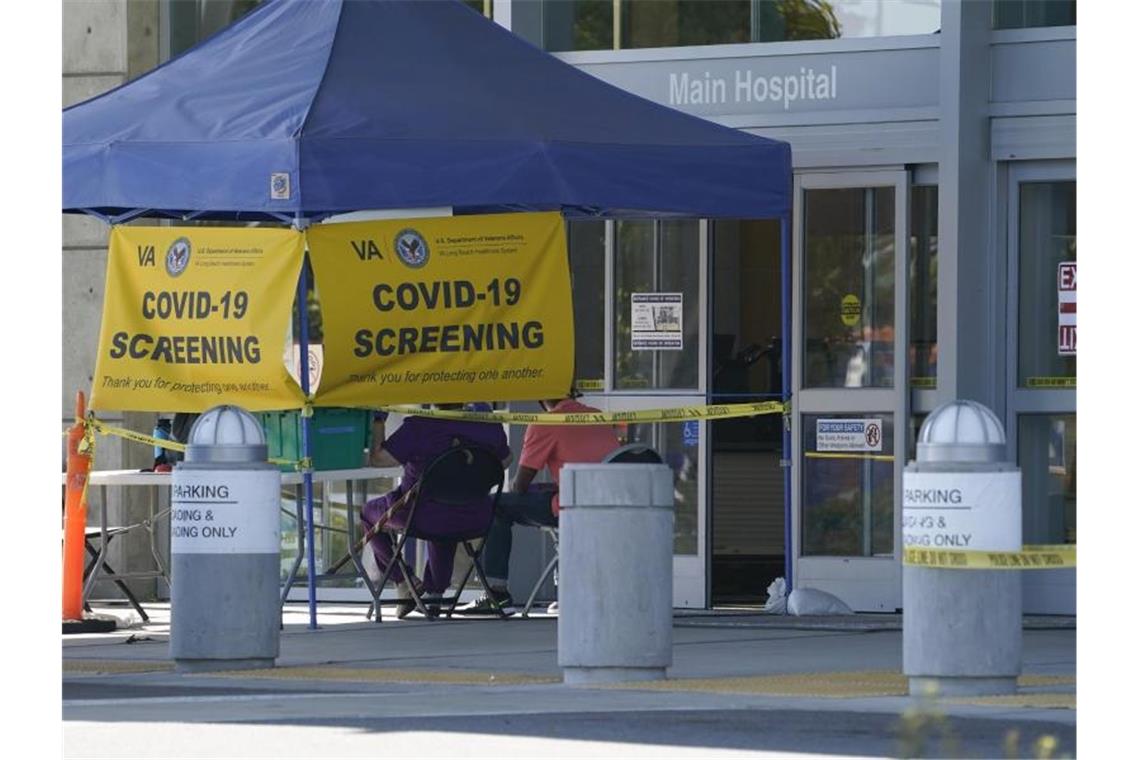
{"points": [[746, 489]]}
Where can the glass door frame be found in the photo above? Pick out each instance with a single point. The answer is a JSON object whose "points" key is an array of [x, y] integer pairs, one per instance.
{"points": [[865, 583], [1043, 591], [1027, 400], [691, 572]]}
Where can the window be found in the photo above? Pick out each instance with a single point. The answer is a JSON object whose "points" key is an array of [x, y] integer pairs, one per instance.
{"points": [[479, 6], [595, 24], [923, 271], [1022, 14], [587, 244], [1047, 254], [848, 498], [680, 451], [1042, 350], [577, 25], [657, 261], [188, 22], [666, 23], [1047, 455], [849, 288], [916, 421], [746, 328]]}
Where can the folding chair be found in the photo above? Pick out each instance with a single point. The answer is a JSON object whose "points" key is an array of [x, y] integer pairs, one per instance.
{"points": [[631, 453], [98, 534], [459, 479], [97, 541]]}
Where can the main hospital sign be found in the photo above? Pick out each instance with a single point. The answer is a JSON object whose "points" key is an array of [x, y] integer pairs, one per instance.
{"points": [[802, 84], [747, 86]]}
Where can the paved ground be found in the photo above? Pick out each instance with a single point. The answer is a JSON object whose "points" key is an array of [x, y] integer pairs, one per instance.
{"points": [[740, 684]]}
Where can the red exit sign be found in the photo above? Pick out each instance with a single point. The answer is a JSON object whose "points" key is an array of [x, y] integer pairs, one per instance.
{"points": [[1067, 308], [1067, 276]]}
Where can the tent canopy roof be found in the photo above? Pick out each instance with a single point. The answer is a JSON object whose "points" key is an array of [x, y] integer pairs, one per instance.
{"points": [[313, 108]]}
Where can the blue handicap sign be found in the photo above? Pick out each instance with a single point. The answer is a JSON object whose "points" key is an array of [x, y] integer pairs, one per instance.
{"points": [[691, 433]]}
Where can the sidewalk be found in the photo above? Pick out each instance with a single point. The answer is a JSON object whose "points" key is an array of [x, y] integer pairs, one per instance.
{"points": [[740, 682]]}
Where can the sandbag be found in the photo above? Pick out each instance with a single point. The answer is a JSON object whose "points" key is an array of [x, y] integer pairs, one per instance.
{"points": [[777, 603], [812, 601]]}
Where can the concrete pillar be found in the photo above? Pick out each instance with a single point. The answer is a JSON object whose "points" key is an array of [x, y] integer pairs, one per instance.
{"points": [[105, 43], [971, 279], [615, 592]]}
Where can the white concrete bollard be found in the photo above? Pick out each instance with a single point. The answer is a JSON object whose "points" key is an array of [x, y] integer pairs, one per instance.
{"points": [[615, 590], [225, 608], [961, 628]]}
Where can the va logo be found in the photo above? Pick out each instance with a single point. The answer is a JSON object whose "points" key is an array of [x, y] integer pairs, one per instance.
{"points": [[146, 255], [411, 248], [178, 257], [366, 249], [279, 186]]}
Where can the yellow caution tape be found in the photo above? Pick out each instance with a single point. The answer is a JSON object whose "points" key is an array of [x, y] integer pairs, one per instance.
{"points": [[1042, 557], [676, 414], [87, 446], [832, 455], [1050, 382], [103, 428]]}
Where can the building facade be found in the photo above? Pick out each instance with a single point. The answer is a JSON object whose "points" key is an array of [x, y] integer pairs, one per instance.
{"points": [[933, 257], [934, 250]]}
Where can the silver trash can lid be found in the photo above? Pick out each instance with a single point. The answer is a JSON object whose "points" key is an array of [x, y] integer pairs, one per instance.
{"points": [[961, 431], [226, 434]]}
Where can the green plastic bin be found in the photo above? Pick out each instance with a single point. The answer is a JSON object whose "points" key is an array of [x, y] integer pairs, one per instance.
{"points": [[339, 436]]}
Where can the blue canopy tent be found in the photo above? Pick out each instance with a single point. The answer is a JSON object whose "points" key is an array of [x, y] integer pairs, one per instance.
{"points": [[301, 110]]}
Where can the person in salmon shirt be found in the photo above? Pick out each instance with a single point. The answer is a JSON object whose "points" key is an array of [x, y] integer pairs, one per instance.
{"points": [[536, 504]]}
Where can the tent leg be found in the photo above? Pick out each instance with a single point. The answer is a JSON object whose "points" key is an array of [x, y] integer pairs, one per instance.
{"points": [[786, 372], [306, 443]]}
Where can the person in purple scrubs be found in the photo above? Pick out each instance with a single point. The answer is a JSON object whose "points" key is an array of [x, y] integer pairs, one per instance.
{"points": [[414, 445]]}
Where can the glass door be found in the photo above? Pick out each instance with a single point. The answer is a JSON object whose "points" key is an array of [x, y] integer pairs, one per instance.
{"points": [[849, 375], [1041, 419], [639, 300], [746, 505]]}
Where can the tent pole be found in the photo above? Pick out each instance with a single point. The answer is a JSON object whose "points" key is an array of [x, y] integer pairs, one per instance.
{"points": [[786, 374], [127, 216], [101, 217], [300, 223]]}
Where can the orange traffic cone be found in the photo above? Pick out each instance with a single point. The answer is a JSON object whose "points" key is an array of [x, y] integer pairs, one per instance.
{"points": [[75, 514]]}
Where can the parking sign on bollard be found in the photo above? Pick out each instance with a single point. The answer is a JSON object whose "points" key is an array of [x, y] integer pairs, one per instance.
{"points": [[225, 546], [961, 627]]}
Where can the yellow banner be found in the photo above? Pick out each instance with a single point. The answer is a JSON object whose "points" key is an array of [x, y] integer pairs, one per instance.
{"points": [[472, 308], [195, 317]]}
